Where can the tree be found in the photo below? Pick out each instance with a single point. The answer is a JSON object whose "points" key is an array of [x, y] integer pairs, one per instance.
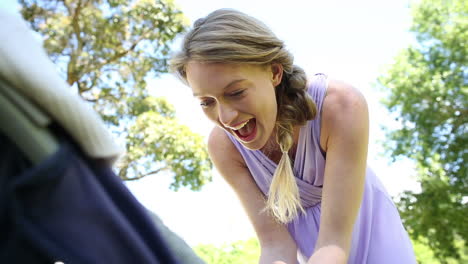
{"points": [[427, 92], [238, 252], [106, 50], [425, 255]]}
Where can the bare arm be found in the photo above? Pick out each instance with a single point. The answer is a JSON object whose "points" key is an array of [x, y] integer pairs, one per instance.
{"points": [[275, 241], [345, 138]]}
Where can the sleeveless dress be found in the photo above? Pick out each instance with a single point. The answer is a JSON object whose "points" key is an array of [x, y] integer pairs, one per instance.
{"points": [[378, 234]]}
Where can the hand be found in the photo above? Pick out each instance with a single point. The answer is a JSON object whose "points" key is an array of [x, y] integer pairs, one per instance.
{"points": [[328, 255]]}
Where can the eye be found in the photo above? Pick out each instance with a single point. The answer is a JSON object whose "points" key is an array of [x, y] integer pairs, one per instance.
{"points": [[206, 102], [237, 93]]}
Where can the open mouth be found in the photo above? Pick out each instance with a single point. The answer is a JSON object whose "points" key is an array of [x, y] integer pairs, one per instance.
{"points": [[247, 131]]}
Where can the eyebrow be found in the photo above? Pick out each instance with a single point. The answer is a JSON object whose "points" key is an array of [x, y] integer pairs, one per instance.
{"points": [[227, 86]]}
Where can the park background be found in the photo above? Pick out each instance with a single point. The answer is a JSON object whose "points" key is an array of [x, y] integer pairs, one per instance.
{"points": [[355, 41]]}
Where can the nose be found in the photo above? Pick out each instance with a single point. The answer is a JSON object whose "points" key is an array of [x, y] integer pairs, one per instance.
{"points": [[226, 114]]}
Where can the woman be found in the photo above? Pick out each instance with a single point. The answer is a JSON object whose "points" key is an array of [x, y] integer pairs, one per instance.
{"points": [[325, 205]]}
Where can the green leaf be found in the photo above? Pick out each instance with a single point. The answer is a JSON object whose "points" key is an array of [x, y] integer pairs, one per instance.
{"points": [[427, 93]]}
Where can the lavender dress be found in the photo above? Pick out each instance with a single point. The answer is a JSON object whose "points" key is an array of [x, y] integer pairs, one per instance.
{"points": [[378, 236]]}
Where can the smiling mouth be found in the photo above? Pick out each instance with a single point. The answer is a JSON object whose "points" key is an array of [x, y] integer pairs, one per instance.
{"points": [[246, 131]]}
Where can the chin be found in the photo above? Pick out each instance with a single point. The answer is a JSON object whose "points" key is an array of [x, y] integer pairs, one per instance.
{"points": [[250, 146], [256, 144]]}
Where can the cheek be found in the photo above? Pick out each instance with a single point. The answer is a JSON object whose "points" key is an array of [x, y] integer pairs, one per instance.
{"points": [[211, 115], [272, 114], [269, 106]]}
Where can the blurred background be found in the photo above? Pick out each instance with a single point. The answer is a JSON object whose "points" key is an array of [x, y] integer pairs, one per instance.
{"points": [[409, 59]]}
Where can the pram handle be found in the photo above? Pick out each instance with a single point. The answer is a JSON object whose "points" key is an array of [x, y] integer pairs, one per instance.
{"points": [[25, 124]]}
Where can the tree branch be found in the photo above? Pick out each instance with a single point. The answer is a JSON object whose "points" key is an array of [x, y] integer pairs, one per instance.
{"points": [[71, 75], [143, 175], [123, 53], [91, 100], [83, 90], [76, 27]]}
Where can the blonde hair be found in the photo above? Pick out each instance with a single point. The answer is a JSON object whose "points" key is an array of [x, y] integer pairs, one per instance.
{"points": [[230, 36]]}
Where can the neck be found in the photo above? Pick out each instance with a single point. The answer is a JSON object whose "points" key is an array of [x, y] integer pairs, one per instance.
{"points": [[272, 149]]}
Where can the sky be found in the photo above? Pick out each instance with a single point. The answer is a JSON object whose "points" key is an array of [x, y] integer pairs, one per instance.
{"points": [[349, 40]]}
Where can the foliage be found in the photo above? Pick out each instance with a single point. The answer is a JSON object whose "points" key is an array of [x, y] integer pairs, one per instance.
{"points": [[425, 255], [106, 49], [427, 92], [248, 251], [239, 252]]}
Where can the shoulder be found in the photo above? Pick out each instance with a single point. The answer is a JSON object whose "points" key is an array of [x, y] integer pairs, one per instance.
{"points": [[222, 151], [344, 109], [342, 96]]}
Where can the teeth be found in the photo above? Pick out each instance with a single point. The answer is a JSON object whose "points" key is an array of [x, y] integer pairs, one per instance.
{"points": [[240, 126]]}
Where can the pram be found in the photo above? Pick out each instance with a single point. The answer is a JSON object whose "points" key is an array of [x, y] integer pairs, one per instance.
{"points": [[60, 201]]}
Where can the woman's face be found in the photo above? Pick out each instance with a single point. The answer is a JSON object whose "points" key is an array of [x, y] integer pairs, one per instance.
{"points": [[238, 98]]}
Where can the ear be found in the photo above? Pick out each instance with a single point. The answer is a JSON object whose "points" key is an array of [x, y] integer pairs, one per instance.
{"points": [[276, 73]]}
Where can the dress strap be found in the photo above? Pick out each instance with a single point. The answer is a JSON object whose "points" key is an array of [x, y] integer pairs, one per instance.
{"points": [[318, 86]]}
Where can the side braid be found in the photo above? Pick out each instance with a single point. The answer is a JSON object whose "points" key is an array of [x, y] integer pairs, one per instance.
{"points": [[295, 107]]}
